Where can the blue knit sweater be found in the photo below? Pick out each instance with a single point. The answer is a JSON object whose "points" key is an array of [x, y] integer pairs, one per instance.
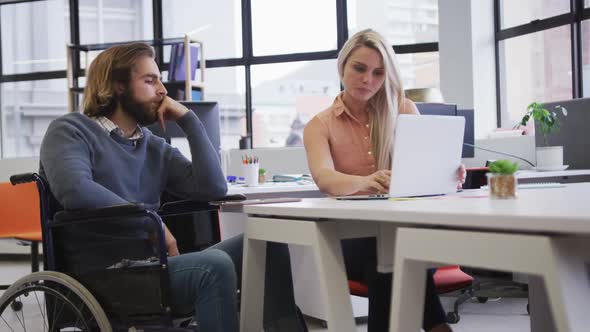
{"points": [[86, 167]]}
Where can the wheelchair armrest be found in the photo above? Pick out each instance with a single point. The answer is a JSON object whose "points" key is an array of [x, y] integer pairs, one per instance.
{"points": [[106, 212], [23, 178], [126, 212], [230, 198], [187, 206]]}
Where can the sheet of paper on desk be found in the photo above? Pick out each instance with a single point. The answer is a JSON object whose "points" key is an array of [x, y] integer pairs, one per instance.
{"points": [[290, 177], [264, 201]]}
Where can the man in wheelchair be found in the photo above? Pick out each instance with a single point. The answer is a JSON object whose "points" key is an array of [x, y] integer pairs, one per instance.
{"points": [[106, 157]]}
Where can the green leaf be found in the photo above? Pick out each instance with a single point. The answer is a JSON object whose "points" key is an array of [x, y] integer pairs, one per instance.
{"points": [[503, 166], [548, 121]]}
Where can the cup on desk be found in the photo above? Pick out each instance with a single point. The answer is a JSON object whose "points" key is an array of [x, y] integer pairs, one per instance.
{"points": [[250, 172]]}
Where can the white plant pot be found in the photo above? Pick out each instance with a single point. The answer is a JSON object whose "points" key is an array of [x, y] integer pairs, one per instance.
{"points": [[549, 156]]}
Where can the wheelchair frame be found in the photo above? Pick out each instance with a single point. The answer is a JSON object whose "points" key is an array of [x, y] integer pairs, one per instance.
{"points": [[52, 218]]}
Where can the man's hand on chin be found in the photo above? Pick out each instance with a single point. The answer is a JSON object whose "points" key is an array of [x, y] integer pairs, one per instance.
{"points": [[169, 109]]}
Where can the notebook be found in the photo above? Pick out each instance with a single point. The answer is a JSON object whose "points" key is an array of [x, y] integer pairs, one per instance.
{"points": [[426, 157]]}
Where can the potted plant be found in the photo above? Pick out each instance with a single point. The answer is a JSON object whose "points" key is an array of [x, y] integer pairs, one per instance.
{"points": [[501, 179], [548, 157], [261, 175]]}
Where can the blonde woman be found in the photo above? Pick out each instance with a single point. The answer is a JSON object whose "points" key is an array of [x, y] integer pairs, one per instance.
{"points": [[349, 152]]}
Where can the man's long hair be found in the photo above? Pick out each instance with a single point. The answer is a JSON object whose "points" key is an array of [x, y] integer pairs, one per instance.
{"points": [[110, 67]]}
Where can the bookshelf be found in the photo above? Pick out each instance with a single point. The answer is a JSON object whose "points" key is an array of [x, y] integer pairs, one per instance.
{"points": [[74, 70]]}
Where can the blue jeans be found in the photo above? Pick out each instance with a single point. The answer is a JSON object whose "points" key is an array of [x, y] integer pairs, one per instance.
{"points": [[204, 284], [280, 311]]}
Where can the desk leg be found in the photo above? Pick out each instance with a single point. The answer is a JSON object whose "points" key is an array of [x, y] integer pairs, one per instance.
{"points": [[253, 272], [332, 274], [324, 238], [408, 284], [567, 284], [541, 318], [386, 247]]}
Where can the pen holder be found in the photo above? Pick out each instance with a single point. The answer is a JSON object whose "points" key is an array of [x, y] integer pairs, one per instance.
{"points": [[250, 172]]}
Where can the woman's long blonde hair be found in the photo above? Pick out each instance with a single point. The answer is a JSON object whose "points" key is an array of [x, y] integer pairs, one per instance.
{"points": [[384, 105]]}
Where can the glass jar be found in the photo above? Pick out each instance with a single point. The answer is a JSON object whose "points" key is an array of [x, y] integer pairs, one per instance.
{"points": [[502, 186]]}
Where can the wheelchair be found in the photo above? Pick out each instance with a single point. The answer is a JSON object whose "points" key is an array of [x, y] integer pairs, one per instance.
{"points": [[125, 290]]}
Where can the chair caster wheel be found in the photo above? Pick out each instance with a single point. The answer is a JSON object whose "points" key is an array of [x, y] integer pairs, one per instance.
{"points": [[16, 305], [481, 299], [452, 317]]}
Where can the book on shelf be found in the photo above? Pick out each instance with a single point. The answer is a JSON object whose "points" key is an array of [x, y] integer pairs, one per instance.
{"points": [[179, 94], [176, 71]]}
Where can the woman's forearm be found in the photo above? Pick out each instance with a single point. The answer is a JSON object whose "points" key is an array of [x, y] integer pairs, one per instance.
{"points": [[338, 184]]}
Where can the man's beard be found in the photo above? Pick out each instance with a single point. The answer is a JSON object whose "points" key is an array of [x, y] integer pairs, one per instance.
{"points": [[142, 113]]}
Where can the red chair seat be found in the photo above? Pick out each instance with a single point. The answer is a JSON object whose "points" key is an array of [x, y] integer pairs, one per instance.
{"points": [[358, 288], [446, 279], [451, 278], [28, 236]]}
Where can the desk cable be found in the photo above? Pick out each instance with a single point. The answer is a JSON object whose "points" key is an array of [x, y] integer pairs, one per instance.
{"points": [[498, 152]]}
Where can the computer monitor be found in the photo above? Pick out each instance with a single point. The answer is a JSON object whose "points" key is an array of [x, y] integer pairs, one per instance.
{"points": [[451, 110], [574, 133], [208, 113], [437, 109], [469, 134]]}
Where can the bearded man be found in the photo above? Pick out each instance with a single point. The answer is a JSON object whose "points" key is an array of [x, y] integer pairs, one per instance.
{"points": [[107, 157]]}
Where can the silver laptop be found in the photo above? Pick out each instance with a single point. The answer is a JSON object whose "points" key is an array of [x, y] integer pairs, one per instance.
{"points": [[426, 156]]}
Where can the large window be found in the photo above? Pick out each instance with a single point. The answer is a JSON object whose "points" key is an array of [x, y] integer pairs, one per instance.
{"points": [[286, 96], [537, 57], [535, 67], [403, 22], [524, 11], [218, 24], [269, 64], [282, 27], [115, 21], [34, 36], [226, 85], [27, 109], [419, 70]]}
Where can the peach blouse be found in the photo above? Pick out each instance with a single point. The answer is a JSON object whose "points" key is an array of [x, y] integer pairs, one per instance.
{"points": [[349, 140]]}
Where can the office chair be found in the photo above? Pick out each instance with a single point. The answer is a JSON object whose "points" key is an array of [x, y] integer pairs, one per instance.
{"points": [[19, 219], [446, 279]]}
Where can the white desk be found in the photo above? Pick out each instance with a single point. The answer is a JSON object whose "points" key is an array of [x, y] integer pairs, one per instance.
{"points": [[544, 232], [303, 189], [233, 220], [566, 176]]}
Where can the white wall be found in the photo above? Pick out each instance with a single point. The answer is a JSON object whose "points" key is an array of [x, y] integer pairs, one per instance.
{"points": [[467, 59], [290, 160], [10, 167]]}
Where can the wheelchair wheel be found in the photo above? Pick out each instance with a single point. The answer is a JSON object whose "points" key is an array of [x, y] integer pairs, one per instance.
{"points": [[51, 301]]}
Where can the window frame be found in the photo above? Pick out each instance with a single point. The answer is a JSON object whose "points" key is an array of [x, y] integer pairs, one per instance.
{"points": [[574, 19], [246, 61]]}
